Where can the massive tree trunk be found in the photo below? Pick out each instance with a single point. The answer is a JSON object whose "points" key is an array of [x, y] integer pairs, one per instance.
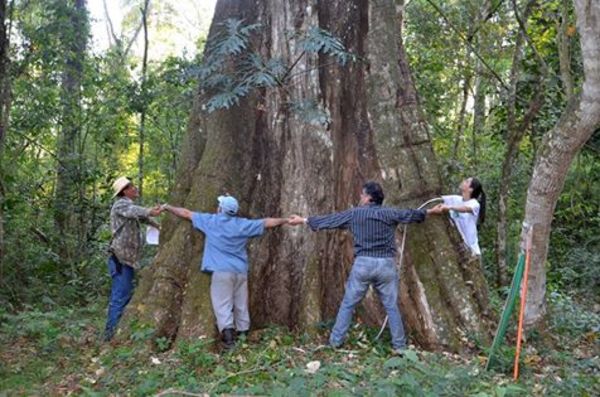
{"points": [[278, 164], [68, 191], [560, 145]]}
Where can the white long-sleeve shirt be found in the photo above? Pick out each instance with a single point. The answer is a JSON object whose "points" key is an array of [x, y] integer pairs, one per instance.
{"points": [[466, 222]]}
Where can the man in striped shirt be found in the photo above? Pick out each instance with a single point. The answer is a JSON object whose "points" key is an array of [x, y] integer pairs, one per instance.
{"points": [[373, 228]]}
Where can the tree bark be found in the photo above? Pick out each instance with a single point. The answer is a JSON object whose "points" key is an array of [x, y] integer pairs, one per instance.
{"points": [[559, 146], [278, 164], [68, 215]]}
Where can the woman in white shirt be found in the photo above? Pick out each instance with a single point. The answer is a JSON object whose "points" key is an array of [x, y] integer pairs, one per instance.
{"points": [[467, 211]]}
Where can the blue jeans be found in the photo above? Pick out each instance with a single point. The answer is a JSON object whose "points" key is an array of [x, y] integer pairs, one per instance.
{"points": [[120, 295], [381, 273]]}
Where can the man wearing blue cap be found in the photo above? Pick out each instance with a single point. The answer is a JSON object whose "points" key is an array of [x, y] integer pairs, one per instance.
{"points": [[226, 258]]}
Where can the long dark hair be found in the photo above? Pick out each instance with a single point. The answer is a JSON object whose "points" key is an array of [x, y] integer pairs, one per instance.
{"points": [[479, 195]]}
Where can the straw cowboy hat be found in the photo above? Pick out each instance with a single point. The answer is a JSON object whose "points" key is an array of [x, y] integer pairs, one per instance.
{"points": [[120, 184]]}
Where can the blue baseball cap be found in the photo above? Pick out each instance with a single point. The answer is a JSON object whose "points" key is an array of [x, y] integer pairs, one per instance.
{"points": [[228, 204]]}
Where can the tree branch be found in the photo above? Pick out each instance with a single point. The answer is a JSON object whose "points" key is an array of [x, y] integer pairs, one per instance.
{"points": [[463, 38], [523, 29], [484, 20], [110, 24], [133, 39]]}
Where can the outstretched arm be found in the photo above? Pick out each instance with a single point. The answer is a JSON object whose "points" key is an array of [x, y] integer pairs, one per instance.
{"points": [[274, 222], [178, 211], [458, 208], [127, 209], [455, 203], [338, 220]]}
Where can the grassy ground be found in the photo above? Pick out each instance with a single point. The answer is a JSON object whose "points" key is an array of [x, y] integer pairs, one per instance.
{"points": [[58, 353]]}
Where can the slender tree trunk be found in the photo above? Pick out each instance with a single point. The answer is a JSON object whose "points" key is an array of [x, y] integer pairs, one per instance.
{"points": [[67, 207], [4, 102], [173, 157], [278, 164], [515, 134], [564, 50], [4, 67], [479, 96], [461, 122], [480, 89], [143, 99], [560, 145], [479, 110]]}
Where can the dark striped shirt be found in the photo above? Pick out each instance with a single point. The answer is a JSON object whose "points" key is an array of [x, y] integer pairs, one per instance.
{"points": [[373, 227]]}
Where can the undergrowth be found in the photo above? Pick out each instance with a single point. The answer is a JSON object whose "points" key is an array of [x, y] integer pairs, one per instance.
{"points": [[59, 353]]}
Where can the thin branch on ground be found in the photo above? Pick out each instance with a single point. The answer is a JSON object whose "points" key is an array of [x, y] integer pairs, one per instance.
{"points": [[170, 392]]}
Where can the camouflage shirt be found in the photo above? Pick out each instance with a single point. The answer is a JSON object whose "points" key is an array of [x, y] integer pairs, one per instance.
{"points": [[127, 242]]}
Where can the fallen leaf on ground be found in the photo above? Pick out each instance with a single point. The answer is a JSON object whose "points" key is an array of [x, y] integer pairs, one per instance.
{"points": [[313, 366]]}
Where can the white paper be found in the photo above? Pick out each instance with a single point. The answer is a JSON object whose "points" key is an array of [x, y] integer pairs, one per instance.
{"points": [[152, 234]]}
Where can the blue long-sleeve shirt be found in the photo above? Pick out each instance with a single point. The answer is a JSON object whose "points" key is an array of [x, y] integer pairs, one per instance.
{"points": [[373, 227]]}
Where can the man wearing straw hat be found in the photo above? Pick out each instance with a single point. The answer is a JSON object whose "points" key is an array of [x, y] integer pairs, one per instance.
{"points": [[125, 247]]}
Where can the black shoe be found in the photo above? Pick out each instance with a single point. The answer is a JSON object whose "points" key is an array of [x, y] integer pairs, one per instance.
{"points": [[228, 336], [242, 334], [399, 351], [108, 335]]}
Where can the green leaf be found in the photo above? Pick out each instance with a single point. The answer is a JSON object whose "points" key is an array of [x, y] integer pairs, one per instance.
{"points": [[394, 363], [411, 356]]}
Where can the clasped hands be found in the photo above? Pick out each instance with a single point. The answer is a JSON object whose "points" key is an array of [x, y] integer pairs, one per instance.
{"points": [[158, 209], [438, 209]]}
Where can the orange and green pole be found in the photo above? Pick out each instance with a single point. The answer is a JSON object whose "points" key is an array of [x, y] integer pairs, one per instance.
{"points": [[522, 311]]}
